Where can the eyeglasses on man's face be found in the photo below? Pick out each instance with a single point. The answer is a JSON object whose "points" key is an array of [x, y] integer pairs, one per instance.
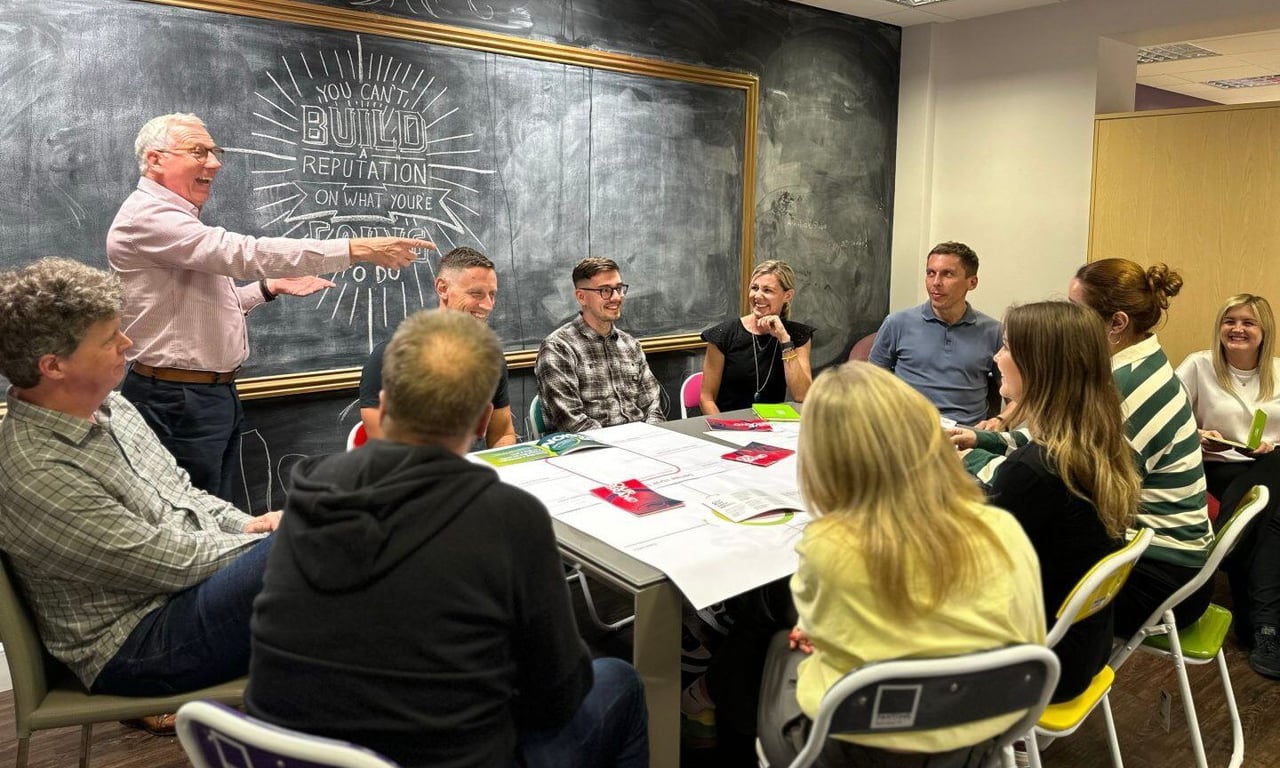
{"points": [[606, 291], [197, 153]]}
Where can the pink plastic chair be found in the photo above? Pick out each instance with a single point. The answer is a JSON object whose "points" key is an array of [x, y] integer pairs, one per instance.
{"points": [[690, 394], [862, 349]]}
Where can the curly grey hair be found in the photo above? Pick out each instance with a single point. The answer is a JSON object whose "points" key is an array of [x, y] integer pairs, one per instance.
{"points": [[155, 134], [45, 308]]}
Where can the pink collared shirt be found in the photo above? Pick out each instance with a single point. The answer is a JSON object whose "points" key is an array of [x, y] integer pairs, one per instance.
{"points": [[182, 307]]}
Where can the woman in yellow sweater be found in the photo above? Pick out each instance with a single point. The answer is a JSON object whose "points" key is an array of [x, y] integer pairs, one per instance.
{"points": [[903, 560]]}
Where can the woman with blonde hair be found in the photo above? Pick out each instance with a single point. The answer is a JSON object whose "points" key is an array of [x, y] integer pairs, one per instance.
{"points": [[1074, 487], [903, 559], [1132, 300], [762, 355], [1227, 384]]}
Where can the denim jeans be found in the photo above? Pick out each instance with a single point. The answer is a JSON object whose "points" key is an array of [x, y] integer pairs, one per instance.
{"points": [[197, 639], [199, 424], [611, 727]]}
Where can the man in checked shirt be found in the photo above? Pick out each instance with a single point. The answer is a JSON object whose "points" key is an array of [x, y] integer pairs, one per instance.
{"points": [[590, 374], [139, 583]]}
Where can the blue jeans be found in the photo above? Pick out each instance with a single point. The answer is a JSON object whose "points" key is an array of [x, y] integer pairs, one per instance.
{"points": [[198, 423], [611, 728], [197, 639]]}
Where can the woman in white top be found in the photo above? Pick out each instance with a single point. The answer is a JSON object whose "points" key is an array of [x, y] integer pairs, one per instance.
{"points": [[1226, 385]]}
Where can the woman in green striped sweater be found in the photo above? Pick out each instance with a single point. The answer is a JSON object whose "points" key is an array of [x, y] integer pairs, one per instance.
{"points": [[1161, 430]]}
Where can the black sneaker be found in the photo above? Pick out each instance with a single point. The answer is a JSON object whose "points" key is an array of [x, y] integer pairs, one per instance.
{"points": [[694, 656], [1265, 656]]}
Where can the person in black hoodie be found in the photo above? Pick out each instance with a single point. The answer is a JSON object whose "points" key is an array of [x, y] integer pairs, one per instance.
{"points": [[416, 605]]}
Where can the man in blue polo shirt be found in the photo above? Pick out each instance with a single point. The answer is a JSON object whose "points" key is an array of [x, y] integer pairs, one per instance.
{"points": [[943, 348]]}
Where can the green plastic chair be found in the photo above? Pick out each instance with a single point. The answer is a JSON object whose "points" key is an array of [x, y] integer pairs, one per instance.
{"points": [[1201, 642], [47, 695], [537, 420]]}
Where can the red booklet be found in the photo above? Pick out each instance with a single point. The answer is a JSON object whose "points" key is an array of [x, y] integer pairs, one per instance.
{"points": [[636, 497], [739, 425], [759, 454]]}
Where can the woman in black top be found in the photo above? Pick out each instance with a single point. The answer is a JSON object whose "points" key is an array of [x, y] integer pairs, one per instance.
{"points": [[1074, 487], [760, 356]]}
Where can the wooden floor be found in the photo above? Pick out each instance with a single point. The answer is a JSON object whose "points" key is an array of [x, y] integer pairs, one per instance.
{"points": [[1135, 700]]}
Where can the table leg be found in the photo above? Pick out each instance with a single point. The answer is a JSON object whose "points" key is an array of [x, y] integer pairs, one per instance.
{"points": [[656, 656]]}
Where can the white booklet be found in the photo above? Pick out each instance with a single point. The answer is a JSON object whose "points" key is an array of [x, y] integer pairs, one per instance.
{"points": [[745, 503]]}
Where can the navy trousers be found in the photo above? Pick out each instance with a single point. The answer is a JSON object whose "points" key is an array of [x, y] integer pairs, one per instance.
{"points": [[199, 424]]}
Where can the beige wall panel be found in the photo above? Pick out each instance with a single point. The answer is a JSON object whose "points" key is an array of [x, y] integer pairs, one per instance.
{"points": [[1198, 189]]}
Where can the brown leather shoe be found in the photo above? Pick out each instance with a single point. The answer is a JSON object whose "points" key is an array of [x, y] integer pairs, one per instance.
{"points": [[156, 725]]}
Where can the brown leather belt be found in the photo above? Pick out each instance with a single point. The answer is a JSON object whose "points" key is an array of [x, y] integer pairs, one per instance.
{"points": [[183, 376]]}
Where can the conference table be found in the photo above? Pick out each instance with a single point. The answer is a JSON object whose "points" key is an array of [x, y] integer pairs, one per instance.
{"points": [[658, 612]]}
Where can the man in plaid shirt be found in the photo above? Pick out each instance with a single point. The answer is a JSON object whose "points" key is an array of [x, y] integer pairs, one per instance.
{"points": [[140, 583], [590, 374]]}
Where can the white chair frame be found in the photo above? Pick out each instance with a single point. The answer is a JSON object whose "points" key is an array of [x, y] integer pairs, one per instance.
{"points": [[236, 729], [1162, 622]]}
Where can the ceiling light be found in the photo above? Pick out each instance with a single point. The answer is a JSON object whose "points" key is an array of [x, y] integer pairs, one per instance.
{"points": [[1173, 52], [1246, 82], [915, 3]]}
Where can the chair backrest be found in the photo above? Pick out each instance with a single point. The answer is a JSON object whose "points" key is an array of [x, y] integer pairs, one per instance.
{"points": [[862, 348], [690, 393], [23, 650], [537, 422], [357, 436], [924, 694], [1224, 541], [1097, 588], [216, 736]]}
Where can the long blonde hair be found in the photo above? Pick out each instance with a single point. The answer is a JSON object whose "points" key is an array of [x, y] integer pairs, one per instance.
{"points": [[877, 471], [1262, 310], [1072, 407]]}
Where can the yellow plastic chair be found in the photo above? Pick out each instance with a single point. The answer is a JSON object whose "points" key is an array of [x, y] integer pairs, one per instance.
{"points": [[1200, 643], [1095, 591], [46, 695]]}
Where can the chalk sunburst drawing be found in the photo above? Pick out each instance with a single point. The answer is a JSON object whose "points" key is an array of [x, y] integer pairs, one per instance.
{"points": [[353, 143]]}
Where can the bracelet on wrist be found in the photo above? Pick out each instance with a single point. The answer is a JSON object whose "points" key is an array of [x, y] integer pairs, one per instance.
{"points": [[788, 345], [267, 295]]}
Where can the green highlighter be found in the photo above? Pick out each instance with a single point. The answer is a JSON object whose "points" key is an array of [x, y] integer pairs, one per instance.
{"points": [[777, 412], [1255, 433]]}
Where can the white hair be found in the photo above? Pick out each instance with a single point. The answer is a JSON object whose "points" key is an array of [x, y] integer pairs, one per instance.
{"points": [[155, 134]]}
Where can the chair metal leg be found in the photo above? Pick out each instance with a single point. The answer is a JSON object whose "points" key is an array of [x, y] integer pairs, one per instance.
{"points": [[1184, 685], [1006, 758], [1237, 729], [23, 746], [591, 608], [86, 740], [1116, 761], [1033, 749]]}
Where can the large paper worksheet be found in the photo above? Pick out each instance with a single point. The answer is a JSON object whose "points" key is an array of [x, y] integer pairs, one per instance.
{"points": [[709, 556]]}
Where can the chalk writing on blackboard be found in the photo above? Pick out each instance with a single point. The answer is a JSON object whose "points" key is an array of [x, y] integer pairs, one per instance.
{"points": [[505, 18], [356, 143]]}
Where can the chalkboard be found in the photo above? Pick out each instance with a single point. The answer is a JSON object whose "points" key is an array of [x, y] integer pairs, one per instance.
{"points": [[333, 132], [825, 129]]}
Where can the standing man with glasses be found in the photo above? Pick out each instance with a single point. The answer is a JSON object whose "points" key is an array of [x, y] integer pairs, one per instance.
{"points": [[183, 308], [590, 374]]}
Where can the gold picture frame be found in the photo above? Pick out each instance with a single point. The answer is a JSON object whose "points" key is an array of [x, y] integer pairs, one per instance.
{"points": [[294, 12]]}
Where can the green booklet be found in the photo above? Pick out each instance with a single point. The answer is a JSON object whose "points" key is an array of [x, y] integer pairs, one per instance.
{"points": [[776, 412], [553, 444], [1255, 434]]}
